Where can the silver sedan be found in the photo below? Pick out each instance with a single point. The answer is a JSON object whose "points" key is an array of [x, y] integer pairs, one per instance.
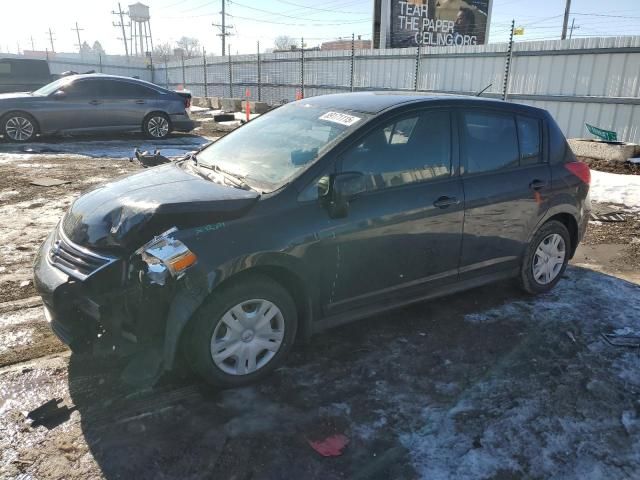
{"points": [[94, 103]]}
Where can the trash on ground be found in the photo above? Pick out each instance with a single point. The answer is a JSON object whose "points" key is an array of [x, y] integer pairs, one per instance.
{"points": [[50, 414], [24, 283], [609, 217], [331, 446], [150, 159], [224, 117], [48, 182]]}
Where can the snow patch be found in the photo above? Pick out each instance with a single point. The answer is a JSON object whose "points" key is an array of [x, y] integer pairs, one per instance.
{"points": [[615, 188]]}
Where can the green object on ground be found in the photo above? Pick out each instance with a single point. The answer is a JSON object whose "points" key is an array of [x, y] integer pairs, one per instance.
{"points": [[605, 135]]}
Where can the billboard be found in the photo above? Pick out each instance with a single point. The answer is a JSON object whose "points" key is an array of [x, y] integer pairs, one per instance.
{"points": [[411, 23]]}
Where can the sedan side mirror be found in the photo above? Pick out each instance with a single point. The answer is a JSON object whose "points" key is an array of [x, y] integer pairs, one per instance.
{"points": [[59, 94], [342, 189]]}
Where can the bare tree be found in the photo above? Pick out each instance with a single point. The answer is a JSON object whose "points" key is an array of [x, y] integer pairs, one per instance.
{"points": [[190, 46], [285, 42], [97, 48], [162, 50]]}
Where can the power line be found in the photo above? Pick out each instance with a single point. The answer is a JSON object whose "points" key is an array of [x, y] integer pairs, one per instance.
{"points": [[278, 14], [259, 20], [319, 9]]}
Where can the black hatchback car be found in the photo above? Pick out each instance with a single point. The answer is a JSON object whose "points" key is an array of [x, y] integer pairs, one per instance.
{"points": [[320, 212]]}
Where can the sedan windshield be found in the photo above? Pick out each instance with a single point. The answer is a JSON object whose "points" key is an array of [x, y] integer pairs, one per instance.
{"points": [[52, 87], [271, 149]]}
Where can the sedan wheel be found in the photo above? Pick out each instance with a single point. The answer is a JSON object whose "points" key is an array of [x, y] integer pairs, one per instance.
{"points": [[19, 128], [248, 337], [158, 126], [549, 259]]}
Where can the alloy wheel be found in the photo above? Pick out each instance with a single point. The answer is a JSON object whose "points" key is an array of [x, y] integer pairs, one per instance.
{"points": [[248, 336], [158, 126], [19, 129], [549, 259]]}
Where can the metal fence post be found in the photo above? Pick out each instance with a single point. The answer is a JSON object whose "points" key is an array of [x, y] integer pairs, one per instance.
{"points": [[100, 61], [302, 68], [230, 73], [152, 68], [507, 67], [353, 54], [184, 78], [259, 79], [416, 74], [166, 72], [204, 71]]}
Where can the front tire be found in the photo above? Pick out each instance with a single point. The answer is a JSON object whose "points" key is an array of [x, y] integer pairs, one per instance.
{"points": [[19, 127], [156, 125], [243, 332], [546, 258]]}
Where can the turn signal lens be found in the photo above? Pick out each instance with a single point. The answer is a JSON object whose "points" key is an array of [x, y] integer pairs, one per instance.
{"points": [[178, 264]]}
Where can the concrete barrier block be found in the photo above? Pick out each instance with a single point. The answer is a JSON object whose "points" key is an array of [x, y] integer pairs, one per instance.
{"points": [[611, 152], [231, 104], [200, 102], [256, 107], [214, 102]]}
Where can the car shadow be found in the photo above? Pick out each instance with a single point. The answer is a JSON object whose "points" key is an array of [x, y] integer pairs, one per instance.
{"points": [[184, 429]]}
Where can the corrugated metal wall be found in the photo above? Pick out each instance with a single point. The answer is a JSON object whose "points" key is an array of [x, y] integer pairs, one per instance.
{"points": [[592, 80]]}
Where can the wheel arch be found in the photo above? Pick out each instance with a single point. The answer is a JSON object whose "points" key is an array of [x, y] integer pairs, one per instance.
{"points": [[571, 223], [152, 112], [190, 297]]}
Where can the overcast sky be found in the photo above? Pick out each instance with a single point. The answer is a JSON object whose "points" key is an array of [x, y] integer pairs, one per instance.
{"points": [[316, 20]]}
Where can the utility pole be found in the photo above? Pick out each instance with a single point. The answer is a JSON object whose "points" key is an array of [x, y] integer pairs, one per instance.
{"points": [[78, 30], [567, 10], [223, 27], [53, 50], [573, 26], [33, 45], [121, 24]]}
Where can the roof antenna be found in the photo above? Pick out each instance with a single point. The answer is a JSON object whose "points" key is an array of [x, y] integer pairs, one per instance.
{"points": [[483, 90]]}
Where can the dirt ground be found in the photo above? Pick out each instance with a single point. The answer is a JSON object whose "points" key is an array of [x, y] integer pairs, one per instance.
{"points": [[486, 384]]}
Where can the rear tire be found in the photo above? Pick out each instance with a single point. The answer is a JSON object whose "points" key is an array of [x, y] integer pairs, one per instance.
{"points": [[546, 258], [229, 345], [157, 125], [19, 127]]}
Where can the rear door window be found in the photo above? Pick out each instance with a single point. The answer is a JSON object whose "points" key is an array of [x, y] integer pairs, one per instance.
{"points": [[118, 89], [529, 137], [490, 141]]}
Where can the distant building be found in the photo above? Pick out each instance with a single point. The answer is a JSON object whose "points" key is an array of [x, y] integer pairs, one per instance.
{"points": [[345, 44]]}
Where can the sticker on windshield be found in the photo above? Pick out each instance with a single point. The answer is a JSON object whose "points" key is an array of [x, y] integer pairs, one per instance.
{"points": [[341, 118]]}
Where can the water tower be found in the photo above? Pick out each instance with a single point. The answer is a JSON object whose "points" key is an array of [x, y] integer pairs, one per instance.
{"points": [[140, 33]]}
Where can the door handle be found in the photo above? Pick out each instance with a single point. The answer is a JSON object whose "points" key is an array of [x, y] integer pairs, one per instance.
{"points": [[444, 202], [140, 102], [537, 185], [95, 102]]}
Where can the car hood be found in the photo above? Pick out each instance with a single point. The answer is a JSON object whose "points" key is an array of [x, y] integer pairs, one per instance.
{"points": [[15, 95], [124, 214]]}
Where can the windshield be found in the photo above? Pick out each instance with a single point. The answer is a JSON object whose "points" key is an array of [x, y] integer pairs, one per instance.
{"points": [[271, 149], [53, 86]]}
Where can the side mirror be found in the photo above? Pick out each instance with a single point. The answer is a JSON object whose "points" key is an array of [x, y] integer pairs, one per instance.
{"points": [[342, 189], [59, 94]]}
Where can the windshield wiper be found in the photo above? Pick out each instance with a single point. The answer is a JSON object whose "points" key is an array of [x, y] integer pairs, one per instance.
{"points": [[236, 179]]}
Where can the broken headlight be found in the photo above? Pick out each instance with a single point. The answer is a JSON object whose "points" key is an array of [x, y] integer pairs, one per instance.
{"points": [[166, 256]]}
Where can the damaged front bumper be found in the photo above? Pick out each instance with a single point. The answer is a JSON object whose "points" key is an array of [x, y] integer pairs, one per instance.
{"points": [[110, 309]]}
